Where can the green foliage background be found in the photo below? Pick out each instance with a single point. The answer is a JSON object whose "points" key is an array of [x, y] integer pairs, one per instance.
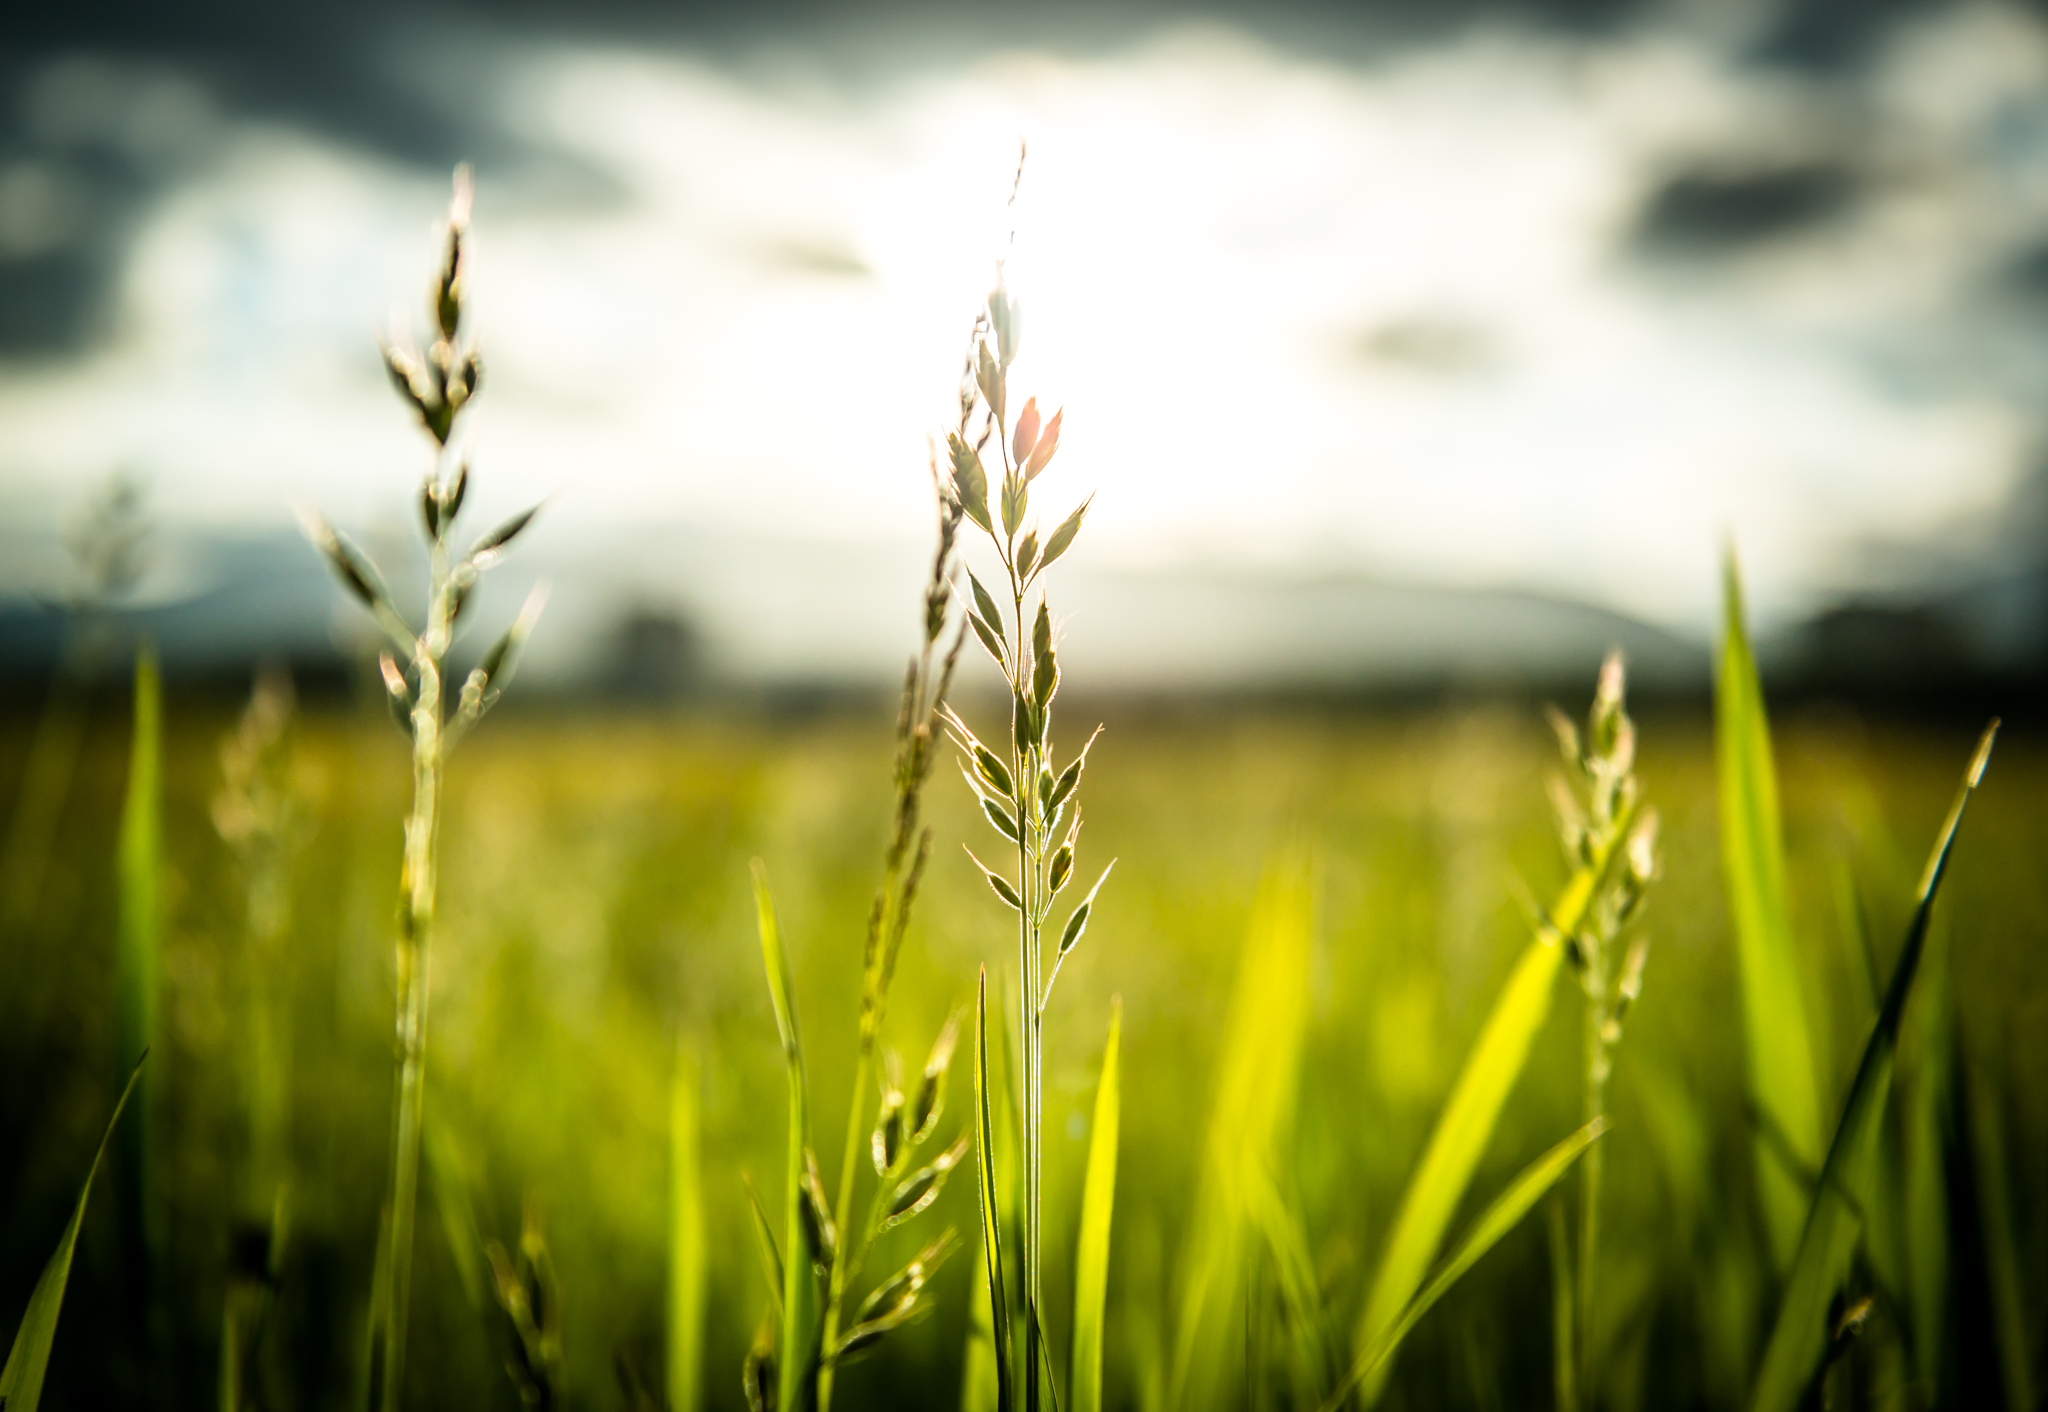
{"points": [[596, 906]]}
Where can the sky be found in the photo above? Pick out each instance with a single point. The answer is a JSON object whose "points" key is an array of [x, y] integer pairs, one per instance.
{"points": [[1547, 302]]}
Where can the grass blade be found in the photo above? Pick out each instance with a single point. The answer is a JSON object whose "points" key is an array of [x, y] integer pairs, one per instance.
{"points": [[991, 1225], [138, 946], [1507, 1210], [458, 1214], [1098, 1200], [1780, 1050], [1255, 1091], [1454, 1148], [797, 1364], [1799, 1335], [21, 1381], [686, 1262]]}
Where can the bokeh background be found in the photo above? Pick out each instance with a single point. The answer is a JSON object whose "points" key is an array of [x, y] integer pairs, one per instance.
{"points": [[1410, 341], [1416, 355]]}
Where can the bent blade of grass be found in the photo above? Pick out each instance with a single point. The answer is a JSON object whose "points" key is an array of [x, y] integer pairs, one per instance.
{"points": [[686, 1261], [1454, 1148], [1506, 1212], [1255, 1092], [796, 1363], [1312, 1365], [991, 1224], [1800, 1333], [1098, 1201], [21, 1381], [1779, 1051]]}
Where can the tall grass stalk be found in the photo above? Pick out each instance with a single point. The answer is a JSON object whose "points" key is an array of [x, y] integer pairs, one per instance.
{"points": [[439, 385], [1604, 860], [926, 683], [1599, 814], [1024, 798], [795, 1361]]}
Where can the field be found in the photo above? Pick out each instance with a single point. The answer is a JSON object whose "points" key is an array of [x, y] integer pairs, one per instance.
{"points": [[596, 922]]}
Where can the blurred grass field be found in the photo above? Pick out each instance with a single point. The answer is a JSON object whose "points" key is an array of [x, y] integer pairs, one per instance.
{"points": [[596, 916]]}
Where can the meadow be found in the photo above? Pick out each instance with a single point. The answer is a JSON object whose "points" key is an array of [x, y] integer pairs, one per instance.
{"points": [[597, 918]]}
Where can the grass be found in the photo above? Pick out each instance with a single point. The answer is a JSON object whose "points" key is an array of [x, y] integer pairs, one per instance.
{"points": [[562, 991]]}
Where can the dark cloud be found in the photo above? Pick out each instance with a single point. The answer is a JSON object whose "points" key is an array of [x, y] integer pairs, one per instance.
{"points": [[1715, 210]]}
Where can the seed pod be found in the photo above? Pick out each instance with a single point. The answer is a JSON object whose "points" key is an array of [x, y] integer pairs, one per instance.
{"points": [[991, 641], [1045, 679], [1027, 553], [1064, 535], [889, 1133], [1642, 848], [970, 481], [919, 1190], [1571, 823], [820, 1235], [350, 564], [1065, 784], [1026, 435], [931, 1089], [757, 1374], [406, 372], [989, 378], [1567, 734], [1603, 722], [1041, 630], [1078, 923], [1048, 443], [997, 881], [986, 606], [1000, 817], [1015, 500], [993, 771], [454, 493], [1025, 723], [486, 551], [430, 508], [1006, 317], [1062, 868]]}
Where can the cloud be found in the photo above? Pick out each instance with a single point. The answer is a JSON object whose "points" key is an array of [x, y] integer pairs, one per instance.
{"points": [[1307, 316]]}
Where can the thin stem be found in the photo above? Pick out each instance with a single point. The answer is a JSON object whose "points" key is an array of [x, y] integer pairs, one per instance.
{"points": [[1597, 1067], [416, 919]]}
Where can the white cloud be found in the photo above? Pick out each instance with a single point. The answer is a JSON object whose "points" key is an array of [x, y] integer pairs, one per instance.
{"points": [[1230, 256]]}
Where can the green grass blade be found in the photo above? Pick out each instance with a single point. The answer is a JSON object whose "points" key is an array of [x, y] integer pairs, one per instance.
{"points": [[1255, 1089], [1309, 1345], [686, 1261], [991, 1224], [797, 1361], [1455, 1147], [1800, 1334], [1506, 1212], [1098, 1200], [458, 1214], [21, 1381], [138, 946], [1780, 1049]]}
